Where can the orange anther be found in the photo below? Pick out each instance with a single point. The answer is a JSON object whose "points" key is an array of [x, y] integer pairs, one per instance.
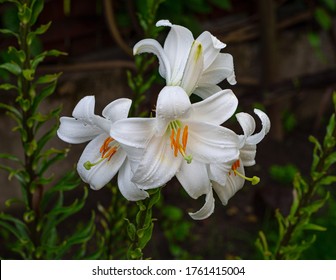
{"points": [[185, 137], [107, 151]]}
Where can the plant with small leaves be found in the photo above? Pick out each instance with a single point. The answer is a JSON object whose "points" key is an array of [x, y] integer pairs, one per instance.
{"points": [[309, 196], [36, 235]]}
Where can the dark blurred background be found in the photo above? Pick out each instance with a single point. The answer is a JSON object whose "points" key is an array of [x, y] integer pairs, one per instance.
{"points": [[285, 63]]}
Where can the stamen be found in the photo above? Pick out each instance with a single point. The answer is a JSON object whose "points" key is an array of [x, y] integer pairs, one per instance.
{"points": [[106, 153], [175, 127], [185, 137], [254, 180]]}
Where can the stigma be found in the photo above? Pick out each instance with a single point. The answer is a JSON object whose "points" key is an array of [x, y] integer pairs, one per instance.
{"points": [[254, 180], [179, 139], [107, 150]]}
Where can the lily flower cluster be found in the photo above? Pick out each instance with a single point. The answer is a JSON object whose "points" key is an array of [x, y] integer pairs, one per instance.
{"points": [[184, 139]]}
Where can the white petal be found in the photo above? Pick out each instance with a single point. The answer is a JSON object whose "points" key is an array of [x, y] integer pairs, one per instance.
{"points": [[193, 68], [247, 154], [134, 132], [172, 103], [84, 110], [207, 209], [216, 109], [247, 123], [233, 184], [211, 143], [211, 47], [204, 90], [153, 46], [220, 69], [75, 131], [266, 125], [163, 22], [117, 110], [158, 164], [177, 47], [127, 188], [220, 171], [99, 175], [194, 178]]}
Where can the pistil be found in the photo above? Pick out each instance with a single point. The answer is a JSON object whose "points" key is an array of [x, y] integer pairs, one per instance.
{"points": [[254, 180]]}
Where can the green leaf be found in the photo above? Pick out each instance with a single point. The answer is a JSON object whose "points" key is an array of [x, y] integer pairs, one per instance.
{"points": [[327, 180], [44, 93], [323, 18], [9, 32], [42, 29], [313, 227], [131, 230], [16, 114], [48, 78], [134, 254], [330, 160], [31, 147], [154, 198], [10, 157], [28, 74], [146, 236], [20, 54], [7, 86], [24, 14], [40, 57], [315, 205], [11, 67], [36, 7]]}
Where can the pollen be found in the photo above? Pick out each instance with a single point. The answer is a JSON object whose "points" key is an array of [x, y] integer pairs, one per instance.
{"points": [[179, 143], [106, 150]]}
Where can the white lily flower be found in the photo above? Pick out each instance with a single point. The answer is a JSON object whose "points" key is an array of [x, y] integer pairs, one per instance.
{"points": [[195, 65], [180, 140], [227, 178], [103, 157]]}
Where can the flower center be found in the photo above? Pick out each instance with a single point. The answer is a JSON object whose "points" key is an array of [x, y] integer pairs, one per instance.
{"points": [[106, 150], [254, 180], [178, 142]]}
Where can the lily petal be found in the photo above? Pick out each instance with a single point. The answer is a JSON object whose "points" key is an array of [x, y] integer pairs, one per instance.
{"points": [[207, 209], [233, 184], [220, 69], [193, 68], [266, 125], [99, 175], [172, 103], [158, 164], [194, 178], [133, 132], [211, 143], [153, 46], [177, 47], [127, 188], [117, 110], [247, 154], [216, 109], [247, 123], [75, 131], [204, 90], [219, 172], [211, 47], [84, 109]]}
